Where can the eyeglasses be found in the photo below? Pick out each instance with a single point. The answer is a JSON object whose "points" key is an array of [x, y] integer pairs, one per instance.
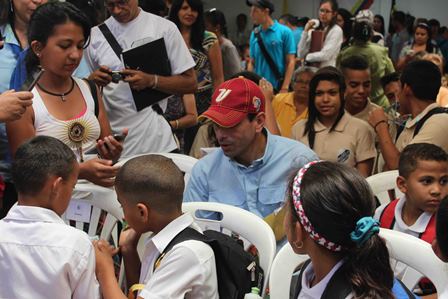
{"points": [[325, 11], [119, 4]]}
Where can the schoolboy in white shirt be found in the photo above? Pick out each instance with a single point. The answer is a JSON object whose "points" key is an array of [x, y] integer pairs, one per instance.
{"points": [[40, 256], [423, 179], [150, 189]]}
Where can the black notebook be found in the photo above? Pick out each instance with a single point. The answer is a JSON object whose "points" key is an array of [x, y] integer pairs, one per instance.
{"points": [[151, 58]]}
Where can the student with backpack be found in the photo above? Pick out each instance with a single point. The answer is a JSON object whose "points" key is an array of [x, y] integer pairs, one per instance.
{"points": [[428, 121], [423, 179], [329, 217], [150, 190]]}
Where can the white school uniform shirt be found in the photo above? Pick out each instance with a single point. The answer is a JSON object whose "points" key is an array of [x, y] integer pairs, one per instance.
{"points": [[149, 132], [414, 230], [317, 290], [41, 257], [188, 270]]}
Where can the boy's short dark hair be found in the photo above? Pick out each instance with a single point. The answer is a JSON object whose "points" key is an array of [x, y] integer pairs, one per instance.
{"points": [[389, 78], [354, 62], [154, 180], [442, 226], [419, 151], [424, 79], [38, 159]]}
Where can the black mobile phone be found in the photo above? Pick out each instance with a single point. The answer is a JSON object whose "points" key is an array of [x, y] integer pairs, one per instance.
{"points": [[36, 79], [119, 137]]}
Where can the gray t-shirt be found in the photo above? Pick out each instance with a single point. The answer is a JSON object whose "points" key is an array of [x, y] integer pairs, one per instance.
{"points": [[230, 59]]}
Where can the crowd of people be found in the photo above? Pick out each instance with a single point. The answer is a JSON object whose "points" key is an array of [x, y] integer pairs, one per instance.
{"points": [[287, 118]]}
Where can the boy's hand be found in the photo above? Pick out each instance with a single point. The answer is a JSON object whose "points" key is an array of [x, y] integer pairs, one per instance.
{"points": [[128, 240], [103, 255], [100, 172]]}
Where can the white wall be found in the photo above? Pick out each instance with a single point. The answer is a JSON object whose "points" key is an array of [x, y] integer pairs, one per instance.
{"points": [[437, 9]]}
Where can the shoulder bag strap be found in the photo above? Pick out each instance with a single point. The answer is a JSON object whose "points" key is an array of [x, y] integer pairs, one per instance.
{"points": [[111, 39], [298, 286], [94, 93], [266, 55], [387, 217], [422, 121], [186, 234]]}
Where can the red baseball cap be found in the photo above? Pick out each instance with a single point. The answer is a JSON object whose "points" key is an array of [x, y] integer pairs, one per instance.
{"points": [[233, 100]]}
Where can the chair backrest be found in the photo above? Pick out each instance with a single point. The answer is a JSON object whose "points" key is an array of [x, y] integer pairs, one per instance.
{"points": [[184, 162], [282, 269], [420, 259], [382, 182], [96, 207], [249, 226]]}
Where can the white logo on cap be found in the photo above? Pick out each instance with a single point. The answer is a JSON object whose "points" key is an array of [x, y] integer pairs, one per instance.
{"points": [[223, 93], [257, 103]]}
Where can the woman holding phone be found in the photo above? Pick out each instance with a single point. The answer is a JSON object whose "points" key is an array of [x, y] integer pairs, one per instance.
{"points": [[65, 107]]}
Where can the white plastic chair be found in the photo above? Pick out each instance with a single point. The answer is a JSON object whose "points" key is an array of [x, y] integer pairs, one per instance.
{"points": [[418, 255], [184, 162], [283, 266], [383, 182], [100, 199], [249, 226]]}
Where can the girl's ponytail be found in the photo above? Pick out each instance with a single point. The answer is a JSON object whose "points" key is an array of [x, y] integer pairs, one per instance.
{"points": [[369, 270]]}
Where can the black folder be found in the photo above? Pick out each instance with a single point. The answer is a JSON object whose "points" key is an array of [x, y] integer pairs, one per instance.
{"points": [[151, 58]]}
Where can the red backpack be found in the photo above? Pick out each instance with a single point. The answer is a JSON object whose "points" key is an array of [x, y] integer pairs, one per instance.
{"points": [[387, 220]]}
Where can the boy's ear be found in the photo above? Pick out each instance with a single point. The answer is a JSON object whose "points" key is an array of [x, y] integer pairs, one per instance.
{"points": [[401, 184], [144, 212], [56, 185]]}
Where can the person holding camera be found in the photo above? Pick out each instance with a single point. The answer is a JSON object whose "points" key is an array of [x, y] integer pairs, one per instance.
{"points": [[129, 24], [65, 107]]}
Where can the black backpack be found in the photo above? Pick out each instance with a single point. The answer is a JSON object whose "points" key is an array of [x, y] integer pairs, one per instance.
{"points": [[237, 270]]}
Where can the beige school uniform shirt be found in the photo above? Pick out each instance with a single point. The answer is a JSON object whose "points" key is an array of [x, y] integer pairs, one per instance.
{"points": [[364, 114], [352, 141], [434, 130]]}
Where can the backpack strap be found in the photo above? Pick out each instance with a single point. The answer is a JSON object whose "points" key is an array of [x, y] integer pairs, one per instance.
{"points": [[111, 40], [430, 232], [94, 93], [430, 113], [186, 234], [268, 57], [387, 218], [407, 291], [299, 279], [337, 288]]}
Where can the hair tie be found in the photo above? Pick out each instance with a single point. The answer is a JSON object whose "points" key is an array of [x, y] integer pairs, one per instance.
{"points": [[366, 227], [304, 221]]}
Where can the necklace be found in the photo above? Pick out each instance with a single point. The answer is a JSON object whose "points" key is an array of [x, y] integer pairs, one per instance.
{"points": [[62, 95]]}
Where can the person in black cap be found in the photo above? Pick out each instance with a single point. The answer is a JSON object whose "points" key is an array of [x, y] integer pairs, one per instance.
{"points": [[269, 42]]}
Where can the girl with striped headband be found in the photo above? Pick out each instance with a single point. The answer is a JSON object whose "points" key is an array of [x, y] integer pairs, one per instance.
{"points": [[330, 218]]}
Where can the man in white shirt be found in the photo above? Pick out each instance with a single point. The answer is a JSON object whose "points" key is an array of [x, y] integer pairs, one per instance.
{"points": [[150, 190], [40, 256], [148, 131]]}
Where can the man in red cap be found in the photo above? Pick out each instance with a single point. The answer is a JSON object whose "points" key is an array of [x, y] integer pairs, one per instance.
{"points": [[252, 167]]}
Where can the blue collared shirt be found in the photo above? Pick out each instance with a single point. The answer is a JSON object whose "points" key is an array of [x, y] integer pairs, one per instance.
{"points": [[279, 42], [8, 59], [8, 56], [259, 188]]}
